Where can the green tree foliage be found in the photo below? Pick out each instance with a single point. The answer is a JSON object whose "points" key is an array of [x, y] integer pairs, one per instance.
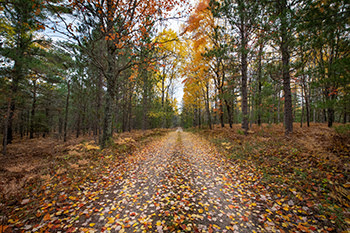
{"points": [[20, 22]]}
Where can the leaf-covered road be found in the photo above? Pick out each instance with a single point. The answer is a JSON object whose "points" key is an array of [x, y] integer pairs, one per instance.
{"points": [[180, 185]]}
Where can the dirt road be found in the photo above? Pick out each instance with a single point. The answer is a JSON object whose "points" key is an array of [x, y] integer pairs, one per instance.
{"points": [[181, 185]]}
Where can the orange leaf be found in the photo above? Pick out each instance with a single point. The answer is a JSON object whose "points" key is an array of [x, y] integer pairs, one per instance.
{"points": [[47, 217], [3, 228]]}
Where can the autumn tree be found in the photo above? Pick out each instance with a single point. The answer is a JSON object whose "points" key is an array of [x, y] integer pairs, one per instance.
{"points": [[241, 15], [209, 31], [197, 84], [122, 25], [171, 55]]}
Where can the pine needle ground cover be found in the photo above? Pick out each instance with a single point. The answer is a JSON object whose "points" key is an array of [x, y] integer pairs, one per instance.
{"points": [[302, 177]]}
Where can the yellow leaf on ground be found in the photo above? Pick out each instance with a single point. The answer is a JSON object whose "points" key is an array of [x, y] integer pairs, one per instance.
{"points": [[347, 220]]}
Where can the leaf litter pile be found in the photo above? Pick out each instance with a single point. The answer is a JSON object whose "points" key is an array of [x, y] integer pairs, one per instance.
{"points": [[179, 183]]}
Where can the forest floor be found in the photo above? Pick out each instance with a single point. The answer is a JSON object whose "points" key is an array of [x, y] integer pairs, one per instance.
{"points": [[306, 177], [208, 181]]}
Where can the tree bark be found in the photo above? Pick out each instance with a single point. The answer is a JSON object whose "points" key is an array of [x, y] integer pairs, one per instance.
{"points": [[47, 123], [207, 104], [307, 106], [107, 122], [4, 144], [60, 125], [111, 77], [199, 117], [229, 113], [32, 115], [66, 114], [130, 109], [244, 67], [345, 114], [78, 125], [278, 105], [284, 47], [145, 103], [330, 112], [302, 107], [163, 98], [221, 110], [261, 47]]}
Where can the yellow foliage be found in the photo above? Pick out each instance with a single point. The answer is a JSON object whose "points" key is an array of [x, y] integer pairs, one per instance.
{"points": [[91, 147]]}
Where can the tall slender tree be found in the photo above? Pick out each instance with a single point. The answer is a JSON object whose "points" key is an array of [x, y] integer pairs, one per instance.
{"points": [[23, 19]]}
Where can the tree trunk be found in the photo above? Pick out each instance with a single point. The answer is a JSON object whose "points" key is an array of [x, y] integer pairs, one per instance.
{"points": [[302, 107], [304, 90], [250, 109], [244, 66], [259, 83], [163, 97], [60, 125], [207, 104], [199, 117], [21, 126], [99, 104], [111, 77], [284, 46], [314, 115], [145, 104], [4, 143], [194, 121], [66, 114], [18, 75], [345, 114], [276, 97], [307, 106], [47, 123], [78, 125], [10, 120], [229, 113], [330, 112], [221, 111], [130, 110], [32, 115], [123, 109], [278, 105], [82, 121], [324, 115], [107, 122]]}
